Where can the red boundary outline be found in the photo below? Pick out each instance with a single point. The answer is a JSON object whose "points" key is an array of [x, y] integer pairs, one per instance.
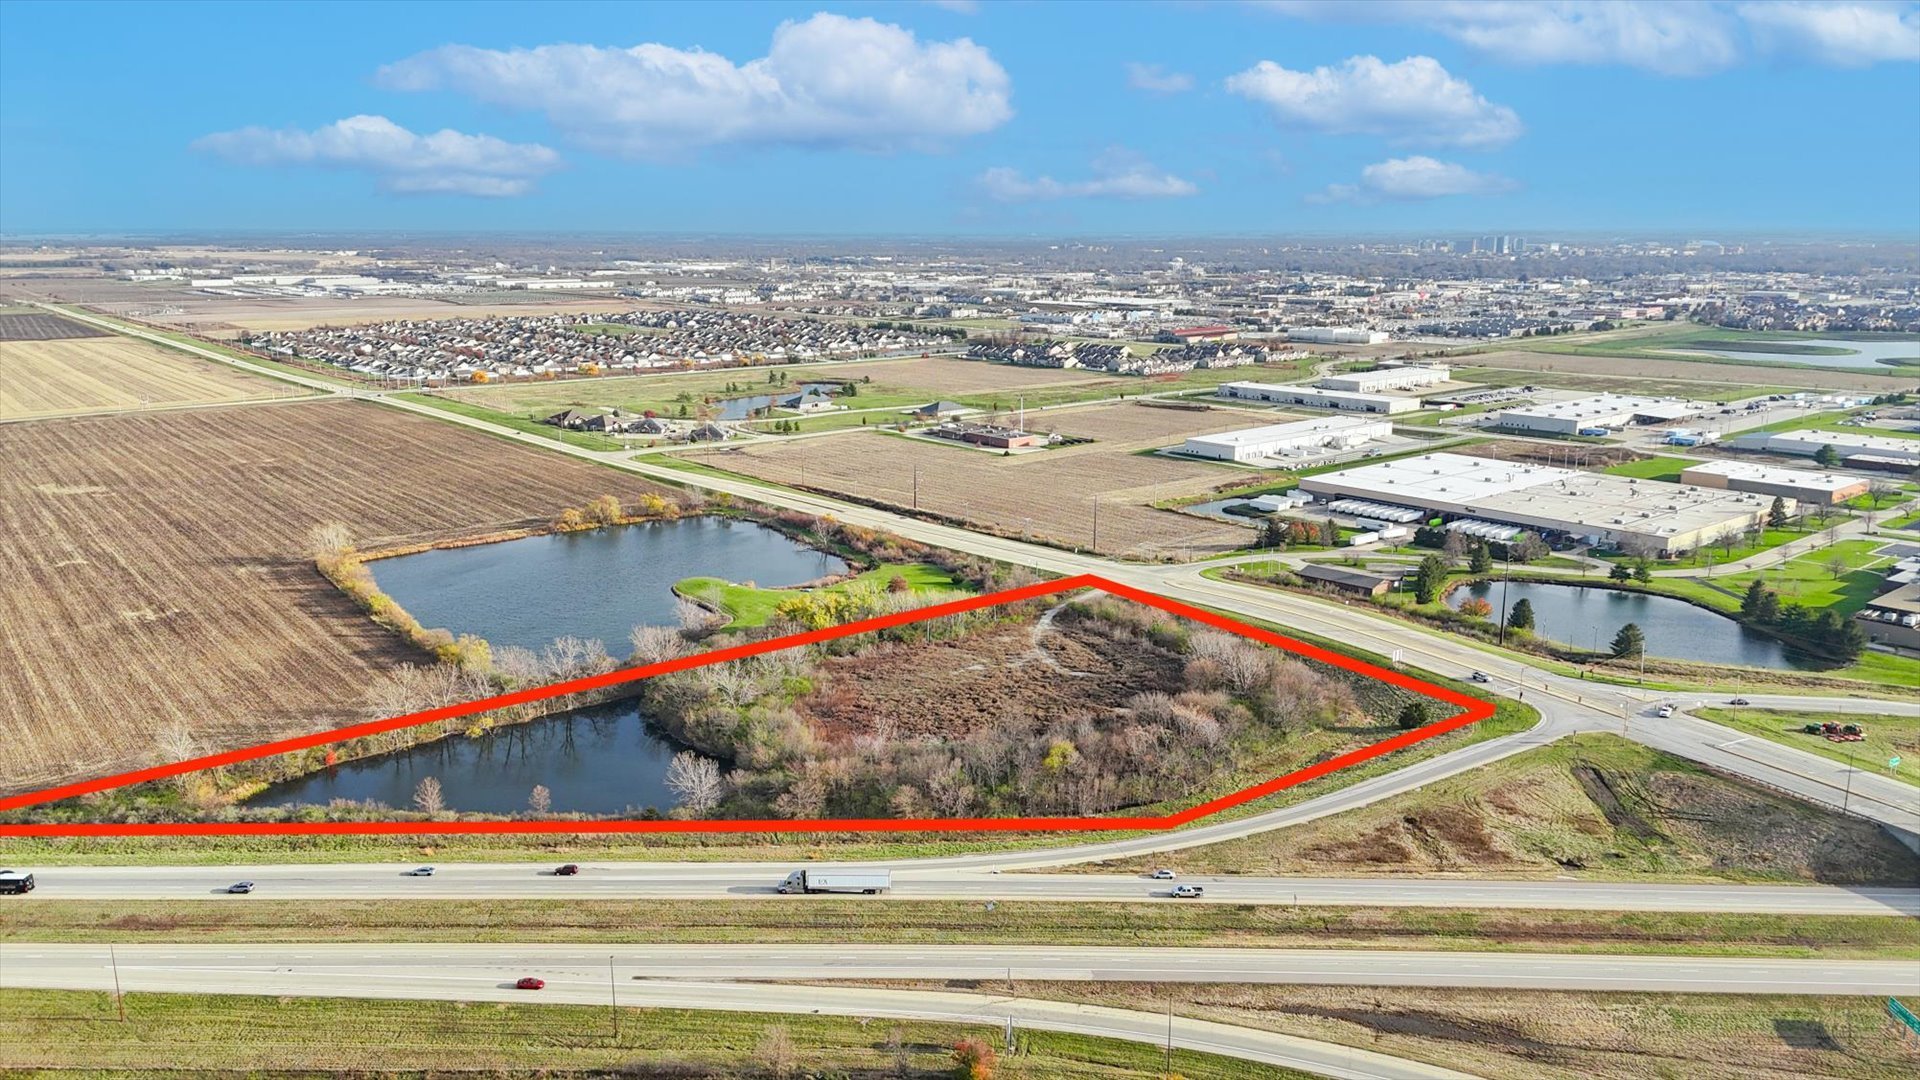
{"points": [[1472, 710]]}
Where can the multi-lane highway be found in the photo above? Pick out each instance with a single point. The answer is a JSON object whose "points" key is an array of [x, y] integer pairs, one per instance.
{"points": [[450, 970], [920, 881]]}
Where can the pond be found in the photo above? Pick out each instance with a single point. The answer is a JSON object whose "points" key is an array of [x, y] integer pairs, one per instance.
{"points": [[742, 408], [1217, 508], [1860, 355], [598, 584], [599, 760], [1587, 618]]}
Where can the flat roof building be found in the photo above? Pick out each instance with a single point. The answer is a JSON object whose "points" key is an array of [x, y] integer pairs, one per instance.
{"points": [[1771, 480], [1278, 440], [1382, 380], [1344, 400], [1596, 508], [1847, 444], [1598, 411]]}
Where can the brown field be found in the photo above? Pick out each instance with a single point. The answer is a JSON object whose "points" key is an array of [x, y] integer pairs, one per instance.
{"points": [[1754, 375], [947, 375], [42, 326], [156, 579], [100, 374], [1047, 495]]}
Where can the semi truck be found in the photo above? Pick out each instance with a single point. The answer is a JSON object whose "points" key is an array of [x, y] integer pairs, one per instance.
{"points": [[866, 882], [15, 881]]}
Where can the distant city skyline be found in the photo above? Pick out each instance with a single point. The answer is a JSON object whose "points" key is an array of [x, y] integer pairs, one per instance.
{"points": [[1688, 122]]}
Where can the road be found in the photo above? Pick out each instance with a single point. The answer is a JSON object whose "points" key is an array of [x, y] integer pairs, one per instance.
{"points": [[443, 970], [1567, 705], [916, 880]]}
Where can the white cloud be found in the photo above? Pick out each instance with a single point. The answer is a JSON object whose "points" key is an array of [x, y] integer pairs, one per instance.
{"points": [[445, 161], [1155, 79], [1413, 178], [1413, 101], [828, 81], [1842, 35], [1117, 174], [1670, 37]]}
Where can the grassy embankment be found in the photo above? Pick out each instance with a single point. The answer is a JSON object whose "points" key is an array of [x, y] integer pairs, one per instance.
{"points": [[525, 424], [1594, 807], [749, 606], [824, 921], [260, 1035], [1670, 341], [1557, 1035], [1887, 737], [1832, 421]]}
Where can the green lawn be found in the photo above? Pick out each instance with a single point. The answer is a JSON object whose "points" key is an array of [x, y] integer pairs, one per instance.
{"points": [[1806, 579], [1886, 736], [232, 1034], [1653, 468], [1719, 554], [751, 606], [530, 426]]}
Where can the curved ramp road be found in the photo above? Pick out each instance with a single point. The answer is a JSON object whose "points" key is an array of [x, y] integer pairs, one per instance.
{"points": [[455, 970], [919, 881]]}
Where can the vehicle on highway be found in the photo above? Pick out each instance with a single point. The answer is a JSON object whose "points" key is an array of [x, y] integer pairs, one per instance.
{"points": [[1666, 710], [1187, 891], [530, 983], [1739, 701], [1163, 874], [1481, 676], [568, 870], [420, 871], [240, 887], [865, 882], [15, 881]]}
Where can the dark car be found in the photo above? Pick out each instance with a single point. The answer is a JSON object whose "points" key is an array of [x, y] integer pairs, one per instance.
{"points": [[1739, 701], [567, 871], [240, 887], [530, 983]]}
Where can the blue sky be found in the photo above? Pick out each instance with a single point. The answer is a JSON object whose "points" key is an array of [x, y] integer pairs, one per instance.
{"points": [[987, 118]]}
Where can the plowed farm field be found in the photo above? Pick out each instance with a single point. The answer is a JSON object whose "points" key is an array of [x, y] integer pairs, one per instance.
{"points": [[68, 376], [156, 577], [1047, 495]]}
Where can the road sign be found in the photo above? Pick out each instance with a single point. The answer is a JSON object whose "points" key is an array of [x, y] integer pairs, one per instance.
{"points": [[1903, 1014], [1893, 762]]}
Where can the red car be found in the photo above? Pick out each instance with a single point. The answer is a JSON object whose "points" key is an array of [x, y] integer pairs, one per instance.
{"points": [[567, 871], [530, 983]]}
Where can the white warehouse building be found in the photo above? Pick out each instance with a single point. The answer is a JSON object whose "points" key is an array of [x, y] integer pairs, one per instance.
{"points": [[1384, 379], [1599, 411], [1314, 398], [1278, 440], [1337, 335], [1847, 444]]}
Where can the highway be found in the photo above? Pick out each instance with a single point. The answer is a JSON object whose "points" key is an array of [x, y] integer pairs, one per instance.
{"points": [[450, 970], [916, 880]]}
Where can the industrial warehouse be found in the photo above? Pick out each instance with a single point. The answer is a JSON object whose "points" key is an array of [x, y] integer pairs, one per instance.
{"points": [[1771, 480], [1500, 499], [1313, 398], [1595, 415], [1857, 449], [1381, 380], [1280, 440]]}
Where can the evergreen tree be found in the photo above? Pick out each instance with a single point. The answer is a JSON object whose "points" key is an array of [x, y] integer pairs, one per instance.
{"points": [[1642, 573], [1273, 533], [1429, 579], [1777, 513], [1750, 603], [1828, 457], [1521, 617], [1629, 642], [1481, 561], [1414, 714], [1620, 572]]}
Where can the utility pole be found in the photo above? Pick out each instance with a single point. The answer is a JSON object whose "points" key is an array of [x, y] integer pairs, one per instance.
{"points": [[119, 999], [1169, 1031], [916, 487], [1846, 799], [1096, 524], [1505, 580], [613, 1000]]}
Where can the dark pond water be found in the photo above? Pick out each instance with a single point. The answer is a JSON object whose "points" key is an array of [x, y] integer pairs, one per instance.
{"points": [[1588, 618], [601, 760], [741, 408], [598, 584]]}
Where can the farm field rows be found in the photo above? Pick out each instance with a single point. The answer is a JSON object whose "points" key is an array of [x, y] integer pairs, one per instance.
{"points": [[158, 579], [1048, 494], [53, 377]]}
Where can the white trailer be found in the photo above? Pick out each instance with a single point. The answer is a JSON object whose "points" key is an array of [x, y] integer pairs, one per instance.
{"points": [[866, 882]]}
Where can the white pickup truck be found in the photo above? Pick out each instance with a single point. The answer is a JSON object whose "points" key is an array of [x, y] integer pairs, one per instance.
{"points": [[866, 882]]}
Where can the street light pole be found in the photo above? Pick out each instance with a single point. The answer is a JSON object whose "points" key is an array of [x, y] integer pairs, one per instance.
{"points": [[1505, 580], [613, 1000]]}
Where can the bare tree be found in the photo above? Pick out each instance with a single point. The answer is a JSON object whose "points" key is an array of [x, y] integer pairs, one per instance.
{"points": [[426, 796], [540, 802], [696, 781], [693, 618], [776, 1053], [331, 540], [653, 644]]}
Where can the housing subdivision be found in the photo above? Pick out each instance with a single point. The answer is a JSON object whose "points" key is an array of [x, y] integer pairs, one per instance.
{"points": [[1500, 499]]}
